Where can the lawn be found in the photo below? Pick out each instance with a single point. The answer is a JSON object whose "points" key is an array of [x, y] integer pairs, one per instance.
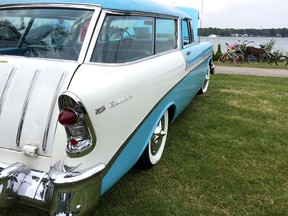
{"points": [[227, 154]]}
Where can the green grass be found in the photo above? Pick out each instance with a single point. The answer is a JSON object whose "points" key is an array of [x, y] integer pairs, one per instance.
{"points": [[246, 64], [227, 154]]}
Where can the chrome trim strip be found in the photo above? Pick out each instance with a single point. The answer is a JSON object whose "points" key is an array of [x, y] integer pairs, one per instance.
{"points": [[52, 5], [132, 62], [57, 176], [89, 34], [94, 37], [197, 63], [6, 87], [140, 13], [49, 118], [24, 109]]}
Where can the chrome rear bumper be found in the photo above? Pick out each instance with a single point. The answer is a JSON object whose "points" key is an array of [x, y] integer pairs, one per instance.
{"points": [[58, 192]]}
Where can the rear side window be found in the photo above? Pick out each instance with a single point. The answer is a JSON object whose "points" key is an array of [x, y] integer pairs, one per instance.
{"points": [[124, 38], [165, 35], [128, 38]]}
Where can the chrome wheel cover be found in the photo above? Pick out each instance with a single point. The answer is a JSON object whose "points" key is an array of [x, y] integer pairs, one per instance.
{"points": [[206, 82], [158, 139]]}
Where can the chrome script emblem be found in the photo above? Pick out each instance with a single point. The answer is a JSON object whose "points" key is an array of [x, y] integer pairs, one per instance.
{"points": [[113, 104], [119, 101]]}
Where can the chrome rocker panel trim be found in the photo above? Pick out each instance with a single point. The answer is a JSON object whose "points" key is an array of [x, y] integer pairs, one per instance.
{"points": [[58, 192]]}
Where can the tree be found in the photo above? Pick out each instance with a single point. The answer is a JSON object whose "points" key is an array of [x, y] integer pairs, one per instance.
{"points": [[218, 53], [251, 32]]}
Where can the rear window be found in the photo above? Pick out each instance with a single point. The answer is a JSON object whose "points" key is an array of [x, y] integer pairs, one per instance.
{"points": [[43, 33]]}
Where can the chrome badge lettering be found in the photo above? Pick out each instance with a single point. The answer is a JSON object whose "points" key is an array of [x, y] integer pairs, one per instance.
{"points": [[119, 101]]}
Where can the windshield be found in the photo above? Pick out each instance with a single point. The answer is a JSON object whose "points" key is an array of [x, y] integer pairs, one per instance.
{"points": [[43, 33]]}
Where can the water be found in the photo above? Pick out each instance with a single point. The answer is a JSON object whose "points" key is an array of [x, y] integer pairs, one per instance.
{"points": [[281, 43]]}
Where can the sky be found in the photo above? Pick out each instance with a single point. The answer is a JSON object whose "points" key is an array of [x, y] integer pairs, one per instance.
{"points": [[241, 14]]}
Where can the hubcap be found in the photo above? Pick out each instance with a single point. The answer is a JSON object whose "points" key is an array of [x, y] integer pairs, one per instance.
{"points": [[157, 138], [206, 82]]}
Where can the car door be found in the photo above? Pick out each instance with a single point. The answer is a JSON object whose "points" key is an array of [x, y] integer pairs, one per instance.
{"points": [[192, 52]]}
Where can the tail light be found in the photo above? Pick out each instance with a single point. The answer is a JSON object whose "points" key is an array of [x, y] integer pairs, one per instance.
{"points": [[81, 137], [68, 117]]}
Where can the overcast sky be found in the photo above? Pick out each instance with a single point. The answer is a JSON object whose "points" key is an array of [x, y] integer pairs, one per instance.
{"points": [[239, 14]]}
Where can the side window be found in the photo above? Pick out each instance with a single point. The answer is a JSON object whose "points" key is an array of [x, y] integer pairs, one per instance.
{"points": [[165, 35], [187, 32], [128, 38], [124, 39]]}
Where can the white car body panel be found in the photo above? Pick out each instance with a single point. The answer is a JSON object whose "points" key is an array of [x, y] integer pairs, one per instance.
{"points": [[51, 79], [140, 81]]}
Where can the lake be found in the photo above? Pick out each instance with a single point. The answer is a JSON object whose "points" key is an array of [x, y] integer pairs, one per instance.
{"points": [[281, 43]]}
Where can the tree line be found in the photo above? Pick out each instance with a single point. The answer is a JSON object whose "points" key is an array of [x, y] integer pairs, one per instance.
{"points": [[279, 32]]}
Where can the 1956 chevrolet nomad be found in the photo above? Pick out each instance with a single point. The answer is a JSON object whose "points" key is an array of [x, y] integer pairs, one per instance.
{"points": [[87, 90]]}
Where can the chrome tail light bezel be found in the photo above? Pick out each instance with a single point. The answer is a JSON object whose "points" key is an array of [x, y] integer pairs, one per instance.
{"points": [[81, 137]]}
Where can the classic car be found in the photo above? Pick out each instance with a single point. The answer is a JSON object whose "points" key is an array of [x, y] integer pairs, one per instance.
{"points": [[88, 90]]}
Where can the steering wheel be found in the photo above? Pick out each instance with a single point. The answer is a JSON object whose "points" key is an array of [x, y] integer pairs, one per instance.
{"points": [[120, 32], [36, 35], [10, 31]]}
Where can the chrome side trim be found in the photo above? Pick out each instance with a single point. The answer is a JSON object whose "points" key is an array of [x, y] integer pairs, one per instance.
{"points": [[126, 142], [140, 13], [49, 118], [89, 33], [94, 36], [57, 176], [25, 106], [6, 87], [197, 62]]}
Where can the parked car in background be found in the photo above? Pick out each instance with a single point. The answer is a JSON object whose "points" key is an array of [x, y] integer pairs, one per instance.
{"points": [[87, 90]]}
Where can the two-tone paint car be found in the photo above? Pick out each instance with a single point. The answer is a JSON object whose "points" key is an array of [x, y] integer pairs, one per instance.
{"points": [[87, 90]]}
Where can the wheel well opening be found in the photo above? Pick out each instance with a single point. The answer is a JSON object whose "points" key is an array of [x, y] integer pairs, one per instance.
{"points": [[171, 112]]}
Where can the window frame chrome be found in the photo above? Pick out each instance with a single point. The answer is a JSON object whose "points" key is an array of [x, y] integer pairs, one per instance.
{"points": [[190, 32], [102, 16]]}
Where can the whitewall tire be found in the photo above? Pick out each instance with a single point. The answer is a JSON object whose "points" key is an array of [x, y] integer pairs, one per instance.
{"points": [[155, 148]]}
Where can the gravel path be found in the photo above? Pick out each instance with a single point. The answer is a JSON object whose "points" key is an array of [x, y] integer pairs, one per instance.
{"points": [[251, 71]]}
